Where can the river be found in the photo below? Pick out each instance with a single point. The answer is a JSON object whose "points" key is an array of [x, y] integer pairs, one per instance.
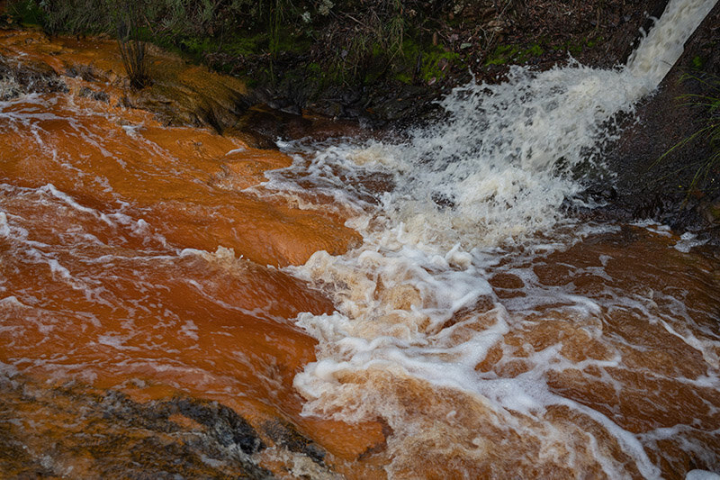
{"points": [[432, 307]]}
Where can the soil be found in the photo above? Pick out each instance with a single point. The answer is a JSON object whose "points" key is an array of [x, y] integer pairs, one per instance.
{"points": [[541, 34]]}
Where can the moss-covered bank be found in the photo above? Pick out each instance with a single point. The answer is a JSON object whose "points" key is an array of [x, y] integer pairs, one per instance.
{"points": [[377, 60]]}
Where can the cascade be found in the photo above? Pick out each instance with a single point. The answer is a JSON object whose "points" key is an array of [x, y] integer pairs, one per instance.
{"points": [[420, 336], [474, 329]]}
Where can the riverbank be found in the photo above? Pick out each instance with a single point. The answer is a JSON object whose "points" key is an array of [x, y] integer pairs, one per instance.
{"points": [[378, 63], [293, 92]]}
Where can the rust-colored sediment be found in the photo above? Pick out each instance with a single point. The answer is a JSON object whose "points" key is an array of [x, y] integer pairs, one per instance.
{"points": [[167, 280]]}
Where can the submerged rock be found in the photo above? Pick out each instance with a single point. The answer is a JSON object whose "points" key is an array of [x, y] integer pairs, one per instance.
{"points": [[27, 76], [287, 436], [82, 432]]}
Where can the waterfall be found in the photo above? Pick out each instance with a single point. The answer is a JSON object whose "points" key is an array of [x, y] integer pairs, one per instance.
{"points": [[471, 195]]}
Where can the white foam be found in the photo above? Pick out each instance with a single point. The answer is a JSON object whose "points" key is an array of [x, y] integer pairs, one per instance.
{"points": [[4, 225], [701, 475], [190, 329], [688, 241], [414, 300], [12, 302]]}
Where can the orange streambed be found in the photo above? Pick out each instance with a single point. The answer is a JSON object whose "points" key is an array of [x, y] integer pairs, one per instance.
{"points": [[146, 259], [132, 257]]}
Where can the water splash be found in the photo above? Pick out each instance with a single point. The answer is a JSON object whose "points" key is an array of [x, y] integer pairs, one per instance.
{"points": [[420, 336]]}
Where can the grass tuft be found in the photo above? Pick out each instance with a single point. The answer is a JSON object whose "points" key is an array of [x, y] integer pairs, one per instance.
{"points": [[709, 133]]}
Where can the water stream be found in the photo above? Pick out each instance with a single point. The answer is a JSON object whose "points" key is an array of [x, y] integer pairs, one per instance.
{"points": [[454, 320]]}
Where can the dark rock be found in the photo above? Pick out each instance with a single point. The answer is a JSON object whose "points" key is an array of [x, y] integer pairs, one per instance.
{"points": [[228, 427], [101, 97], [86, 72], [111, 436], [29, 77], [284, 434]]}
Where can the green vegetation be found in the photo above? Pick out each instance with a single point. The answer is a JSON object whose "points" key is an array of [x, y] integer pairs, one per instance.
{"points": [[429, 64], [350, 40], [697, 62], [26, 12], [504, 54], [132, 49], [709, 132]]}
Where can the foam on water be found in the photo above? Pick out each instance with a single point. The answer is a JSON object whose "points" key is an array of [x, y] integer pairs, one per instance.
{"points": [[475, 196]]}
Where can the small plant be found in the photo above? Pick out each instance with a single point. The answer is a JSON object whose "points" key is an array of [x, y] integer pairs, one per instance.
{"points": [[709, 133], [26, 12], [74, 16], [132, 49]]}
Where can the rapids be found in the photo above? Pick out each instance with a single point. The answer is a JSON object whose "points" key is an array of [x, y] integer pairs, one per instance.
{"points": [[425, 309]]}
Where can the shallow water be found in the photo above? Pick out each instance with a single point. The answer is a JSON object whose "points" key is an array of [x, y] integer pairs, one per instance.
{"points": [[427, 309]]}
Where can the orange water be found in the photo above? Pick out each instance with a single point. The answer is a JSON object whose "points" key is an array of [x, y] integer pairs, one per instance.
{"points": [[134, 257]]}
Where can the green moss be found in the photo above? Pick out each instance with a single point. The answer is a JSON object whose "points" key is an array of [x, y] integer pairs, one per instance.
{"points": [[535, 50], [502, 55], [196, 46], [434, 62], [404, 78], [249, 45], [697, 62], [585, 43], [592, 42], [514, 54]]}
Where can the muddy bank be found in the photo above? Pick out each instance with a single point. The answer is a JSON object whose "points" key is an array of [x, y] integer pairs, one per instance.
{"points": [[479, 39]]}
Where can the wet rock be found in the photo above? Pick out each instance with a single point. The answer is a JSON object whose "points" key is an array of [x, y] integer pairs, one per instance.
{"points": [[176, 104], [227, 426], [406, 102], [285, 435], [27, 76], [261, 126], [80, 432], [271, 125], [86, 72], [100, 96]]}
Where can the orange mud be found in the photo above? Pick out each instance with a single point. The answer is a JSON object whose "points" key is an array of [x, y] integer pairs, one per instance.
{"points": [[98, 284]]}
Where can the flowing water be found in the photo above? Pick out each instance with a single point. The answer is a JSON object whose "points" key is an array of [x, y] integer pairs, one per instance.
{"points": [[422, 309]]}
